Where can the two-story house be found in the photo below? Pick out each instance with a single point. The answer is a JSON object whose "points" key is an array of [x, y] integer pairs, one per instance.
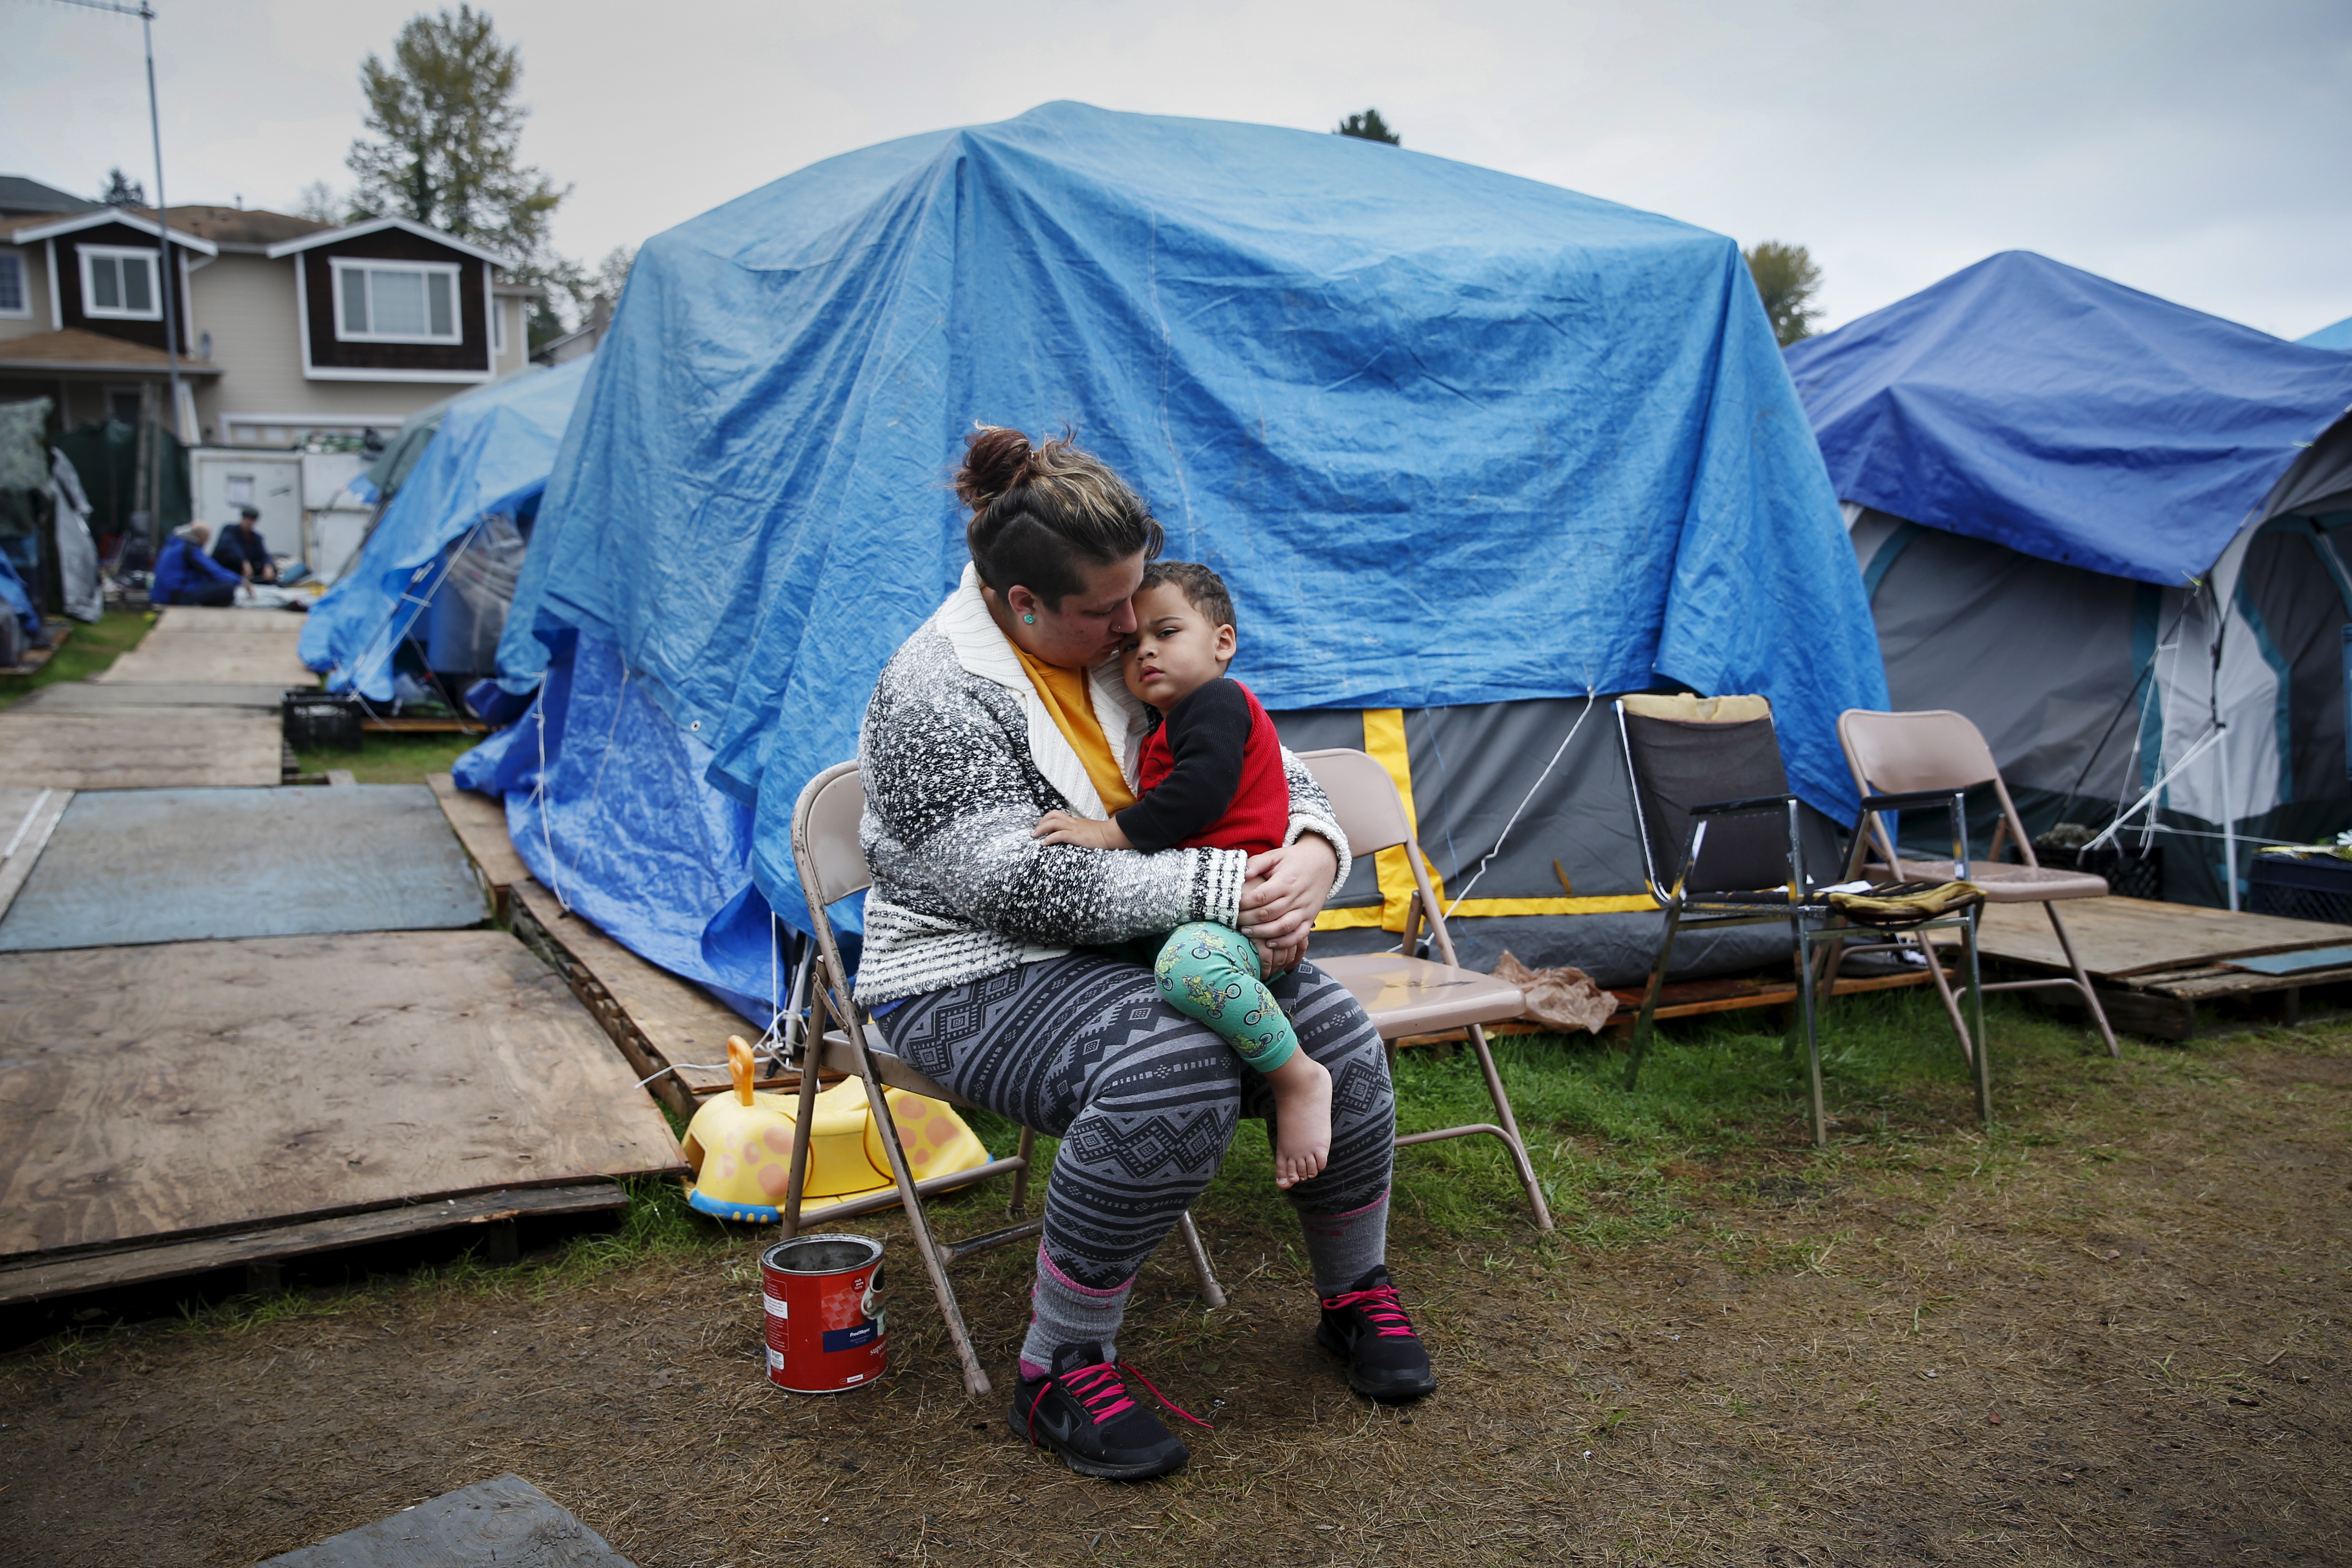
{"points": [[288, 327]]}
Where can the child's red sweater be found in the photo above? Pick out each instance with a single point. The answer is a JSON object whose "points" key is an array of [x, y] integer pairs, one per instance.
{"points": [[1211, 777]]}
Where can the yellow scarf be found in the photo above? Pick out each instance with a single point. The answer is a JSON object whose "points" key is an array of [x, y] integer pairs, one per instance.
{"points": [[1068, 696]]}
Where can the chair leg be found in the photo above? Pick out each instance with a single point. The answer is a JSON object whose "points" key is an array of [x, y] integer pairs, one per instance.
{"points": [[1210, 1291], [1943, 992], [2082, 980], [1019, 1205], [799, 1169], [1644, 1020], [1511, 1125], [1813, 1037], [1975, 1011], [918, 1220]]}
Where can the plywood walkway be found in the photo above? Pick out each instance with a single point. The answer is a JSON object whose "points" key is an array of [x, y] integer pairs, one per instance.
{"points": [[192, 646], [2154, 964], [174, 864], [159, 1093]]}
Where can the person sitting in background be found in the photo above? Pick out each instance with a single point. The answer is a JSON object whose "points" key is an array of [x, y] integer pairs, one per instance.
{"points": [[241, 549], [184, 575]]}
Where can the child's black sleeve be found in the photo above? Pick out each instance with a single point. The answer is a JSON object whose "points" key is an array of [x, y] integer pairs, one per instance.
{"points": [[1207, 734]]}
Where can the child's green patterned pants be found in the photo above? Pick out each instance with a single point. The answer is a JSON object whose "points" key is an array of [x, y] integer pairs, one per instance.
{"points": [[1210, 972]]}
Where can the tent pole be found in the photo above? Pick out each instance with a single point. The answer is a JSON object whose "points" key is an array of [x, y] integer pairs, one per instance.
{"points": [[2229, 828]]}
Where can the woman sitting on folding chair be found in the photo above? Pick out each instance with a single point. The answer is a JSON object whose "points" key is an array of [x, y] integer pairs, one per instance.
{"points": [[1007, 703]]}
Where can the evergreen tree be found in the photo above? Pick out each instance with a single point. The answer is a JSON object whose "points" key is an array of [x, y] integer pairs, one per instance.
{"points": [[1370, 127], [122, 191], [1786, 279], [444, 134]]}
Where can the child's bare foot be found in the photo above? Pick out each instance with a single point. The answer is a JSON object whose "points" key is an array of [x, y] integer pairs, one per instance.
{"points": [[1302, 1119]]}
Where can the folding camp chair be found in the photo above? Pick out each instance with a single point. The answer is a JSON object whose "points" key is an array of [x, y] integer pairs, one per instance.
{"points": [[1407, 994], [1940, 750], [832, 867], [1718, 828]]}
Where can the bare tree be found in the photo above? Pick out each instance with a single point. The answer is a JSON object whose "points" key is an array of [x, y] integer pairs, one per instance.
{"points": [[320, 204]]}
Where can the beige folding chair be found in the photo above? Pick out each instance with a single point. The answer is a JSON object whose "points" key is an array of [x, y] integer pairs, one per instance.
{"points": [[1409, 995], [832, 867], [1940, 750]]}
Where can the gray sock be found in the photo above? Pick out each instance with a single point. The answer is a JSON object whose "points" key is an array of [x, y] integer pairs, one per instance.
{"points": [[1063, 1312], [1343, 1248]]}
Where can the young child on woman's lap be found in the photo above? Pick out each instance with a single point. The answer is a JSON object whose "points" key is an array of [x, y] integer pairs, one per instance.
{"points": [[1211, 776]]}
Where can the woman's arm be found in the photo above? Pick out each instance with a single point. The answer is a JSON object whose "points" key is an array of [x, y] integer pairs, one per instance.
{"points": [[951, 801]]}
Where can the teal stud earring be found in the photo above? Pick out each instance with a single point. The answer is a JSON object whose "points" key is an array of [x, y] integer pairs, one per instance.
{"points": [[1028, 620]]}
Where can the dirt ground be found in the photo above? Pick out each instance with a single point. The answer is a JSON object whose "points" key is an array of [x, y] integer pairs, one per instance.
{"points": [[2111, 1332]]}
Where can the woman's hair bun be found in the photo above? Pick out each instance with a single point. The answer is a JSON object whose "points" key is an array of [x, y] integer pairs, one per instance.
{"points": [[995, 459]]}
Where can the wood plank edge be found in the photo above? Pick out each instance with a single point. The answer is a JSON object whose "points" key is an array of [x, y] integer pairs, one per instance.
{"points": [[644, 1058]]}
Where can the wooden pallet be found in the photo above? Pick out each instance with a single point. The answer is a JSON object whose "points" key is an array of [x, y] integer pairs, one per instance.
{"points": [[1691, 999], [397, 726], [2153, 965]]}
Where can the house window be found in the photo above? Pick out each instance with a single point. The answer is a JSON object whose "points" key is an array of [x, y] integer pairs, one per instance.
{"points": [[119, 284], [396, 303], [13, 301], [498, 326]]}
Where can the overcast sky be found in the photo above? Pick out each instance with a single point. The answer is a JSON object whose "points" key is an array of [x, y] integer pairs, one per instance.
{"points": [[2202, 151]]}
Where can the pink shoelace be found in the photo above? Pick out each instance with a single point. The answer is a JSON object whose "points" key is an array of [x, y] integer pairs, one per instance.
{"points": [[1380, 1309], [1099, 1390]]}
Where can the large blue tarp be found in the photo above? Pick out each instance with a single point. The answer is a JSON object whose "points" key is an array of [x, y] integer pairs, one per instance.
{"points": [[2339, 335], [2028, 403], [492, 454], [1453, 437]]}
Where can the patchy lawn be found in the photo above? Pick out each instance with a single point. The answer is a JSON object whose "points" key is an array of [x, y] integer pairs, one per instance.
{"points": [[2111, 1331]]}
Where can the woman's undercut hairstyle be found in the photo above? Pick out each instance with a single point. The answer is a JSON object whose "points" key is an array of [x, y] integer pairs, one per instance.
{"points": [[1201, 587], [1037, 512]]}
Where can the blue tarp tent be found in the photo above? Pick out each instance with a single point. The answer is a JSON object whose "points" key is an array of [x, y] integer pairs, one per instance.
{"points": [[2338, 336], [1461, 443], [491, 456], [2106, 528]]}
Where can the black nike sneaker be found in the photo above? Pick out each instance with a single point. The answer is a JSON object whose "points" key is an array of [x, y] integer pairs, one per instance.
{"points": [[1367, 1325], [1081, 1410]]}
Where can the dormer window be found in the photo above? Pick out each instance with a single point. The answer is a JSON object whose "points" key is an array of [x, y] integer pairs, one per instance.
{"points": [[396, 303], [119, 284]]}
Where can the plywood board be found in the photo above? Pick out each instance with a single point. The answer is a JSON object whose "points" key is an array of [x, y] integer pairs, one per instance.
{"points": [[142, 865], [27, 817], [159, 1091], [82, 696], [502, 1520], [184, 619], [658, 1019], [2115, 936], [139, 748], [481, 824], [43, 1277], [209, 660]]}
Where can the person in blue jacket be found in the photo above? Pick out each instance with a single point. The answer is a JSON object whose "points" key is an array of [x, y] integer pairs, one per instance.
{"points": [[184, 575]]}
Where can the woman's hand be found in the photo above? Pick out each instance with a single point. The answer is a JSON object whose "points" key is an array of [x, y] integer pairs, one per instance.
{"points": [[1286, 891]]}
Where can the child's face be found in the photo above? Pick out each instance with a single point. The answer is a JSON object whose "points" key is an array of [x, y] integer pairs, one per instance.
{"points": [[1174, 651]]}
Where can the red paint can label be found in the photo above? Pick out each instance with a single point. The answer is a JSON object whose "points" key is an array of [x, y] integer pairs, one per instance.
{"points": [[820, 1297]]}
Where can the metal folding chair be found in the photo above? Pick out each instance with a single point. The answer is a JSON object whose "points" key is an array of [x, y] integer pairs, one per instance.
{"points": [[1937, 751], [832, 867], [1706, 767], [1405, 994]]}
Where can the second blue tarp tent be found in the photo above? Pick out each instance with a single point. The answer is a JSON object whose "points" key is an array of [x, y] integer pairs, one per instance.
{"points": [[1471, 450], [475, 485], [2115, 533]]}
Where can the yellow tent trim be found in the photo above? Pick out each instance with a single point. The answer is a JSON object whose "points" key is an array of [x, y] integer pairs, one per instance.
{"points": [[1384, 740]]}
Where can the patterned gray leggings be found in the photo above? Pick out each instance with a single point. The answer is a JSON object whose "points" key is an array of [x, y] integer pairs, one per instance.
{"points": [[1143, 1099]]}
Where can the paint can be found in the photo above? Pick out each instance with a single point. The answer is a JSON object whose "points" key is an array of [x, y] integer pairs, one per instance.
{"points": [[821, 1298]]}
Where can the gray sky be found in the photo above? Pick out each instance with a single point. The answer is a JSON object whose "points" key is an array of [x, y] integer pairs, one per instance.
{"points": [[2202, 151]]}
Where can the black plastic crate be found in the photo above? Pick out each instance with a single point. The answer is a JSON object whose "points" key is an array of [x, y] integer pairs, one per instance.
{"points": [[323, 722], [2318, 889]]}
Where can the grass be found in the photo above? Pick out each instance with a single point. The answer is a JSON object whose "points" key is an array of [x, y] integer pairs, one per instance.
{"points": [[392, 759], [88, 650]]}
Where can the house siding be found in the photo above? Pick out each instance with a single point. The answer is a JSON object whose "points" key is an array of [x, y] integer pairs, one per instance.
{"points": [[69, 281], [246, 303], [461, 361], [35, 319]]}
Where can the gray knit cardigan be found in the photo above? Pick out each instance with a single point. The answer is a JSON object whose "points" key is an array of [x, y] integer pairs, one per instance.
{"points": [[960, 757]]}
